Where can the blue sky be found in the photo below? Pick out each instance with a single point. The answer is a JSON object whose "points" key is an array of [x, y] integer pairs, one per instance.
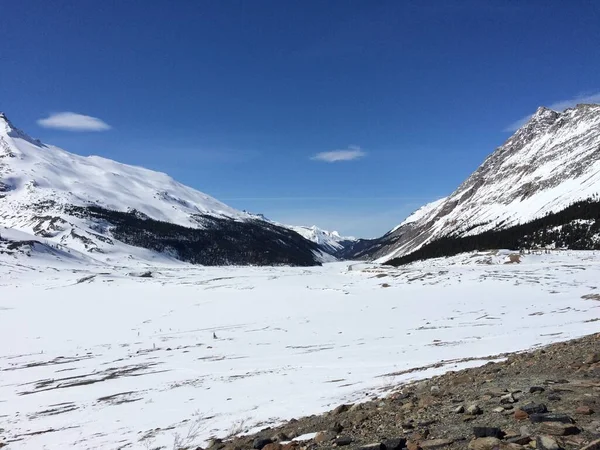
{"points": [[237, 98]]}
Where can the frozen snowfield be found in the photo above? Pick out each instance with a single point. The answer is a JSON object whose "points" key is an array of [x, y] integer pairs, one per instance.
{"points": [[94, 357]]}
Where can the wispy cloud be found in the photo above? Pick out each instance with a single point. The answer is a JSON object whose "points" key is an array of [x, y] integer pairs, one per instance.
{"points": [[71, 121], [351, 153], [558, 106]]}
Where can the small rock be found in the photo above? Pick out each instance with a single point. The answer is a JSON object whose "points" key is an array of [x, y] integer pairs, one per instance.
{"points": [[525, 430], [486, 443], [520, 414], [420, 435], [592, 359], [375, 446], [272, 446], [593, 426], [558, 429], [323, 436], [584, 410], [520, 440], [280, 437], [214, 443], [508, 398], [509, 434], [426, 423], [459, 409], [594, 445], [343, 441], [550, 417], [536, 389], [259, 443], [337, 428], [340, 409], [499, 409], [291, 446], [412, 445], [554, 397], [534, 408], [435, 390], [482, 432], [474, 410], [395, 444], [546, 443], [436, 443]]}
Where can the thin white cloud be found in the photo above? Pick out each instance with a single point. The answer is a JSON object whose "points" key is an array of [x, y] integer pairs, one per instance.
{"points": [[71, 121], [557, 106], [349, 154]]}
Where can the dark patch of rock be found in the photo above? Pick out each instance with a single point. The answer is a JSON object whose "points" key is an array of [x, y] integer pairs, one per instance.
{"points": [[482, 432], [550, 417], [546, 443], [534, 408], [342, 441], [260, 443], [394, 444]]}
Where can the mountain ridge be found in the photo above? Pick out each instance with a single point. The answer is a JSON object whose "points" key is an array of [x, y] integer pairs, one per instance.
{"points": [[71, 199], [552, 161]]}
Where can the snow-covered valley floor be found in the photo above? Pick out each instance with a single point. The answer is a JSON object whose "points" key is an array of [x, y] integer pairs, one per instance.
{"points": [[97, 357]]}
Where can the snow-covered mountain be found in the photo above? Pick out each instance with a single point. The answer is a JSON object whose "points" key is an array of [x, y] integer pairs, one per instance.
{"points": [[102, 207], [549, 164], [329, 241]]}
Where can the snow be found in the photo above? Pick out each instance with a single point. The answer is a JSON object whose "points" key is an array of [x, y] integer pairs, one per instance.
{"points": [[39, 172], [330, 240], [97, 357], [420, 213]]}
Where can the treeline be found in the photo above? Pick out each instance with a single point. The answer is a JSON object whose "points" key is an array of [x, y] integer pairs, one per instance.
{"points": [[577, 227], [219, 242]]}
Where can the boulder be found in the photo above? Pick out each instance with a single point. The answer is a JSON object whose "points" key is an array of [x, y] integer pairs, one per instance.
{"points": [[534, 408], [260, 443], [482, 432], [550, 417], [436, 443], [558, 428], [395, 443], [486, 443], [594, 445], [546, 443], [474, 410]]}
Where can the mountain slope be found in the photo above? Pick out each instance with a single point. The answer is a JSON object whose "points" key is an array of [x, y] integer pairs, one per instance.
{"points": [[96, 205], [550, 163]]}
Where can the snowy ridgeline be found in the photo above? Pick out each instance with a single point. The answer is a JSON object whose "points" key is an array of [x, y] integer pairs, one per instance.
{"points": [[549, 164], [99, 356], [110, 211]]}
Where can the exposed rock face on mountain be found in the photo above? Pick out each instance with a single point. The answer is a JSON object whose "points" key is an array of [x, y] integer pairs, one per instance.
{"points": [[110, 210], [549, 164]]}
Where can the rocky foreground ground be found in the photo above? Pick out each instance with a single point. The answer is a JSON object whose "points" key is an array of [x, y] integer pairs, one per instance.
{"points": [[547, 399]]}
